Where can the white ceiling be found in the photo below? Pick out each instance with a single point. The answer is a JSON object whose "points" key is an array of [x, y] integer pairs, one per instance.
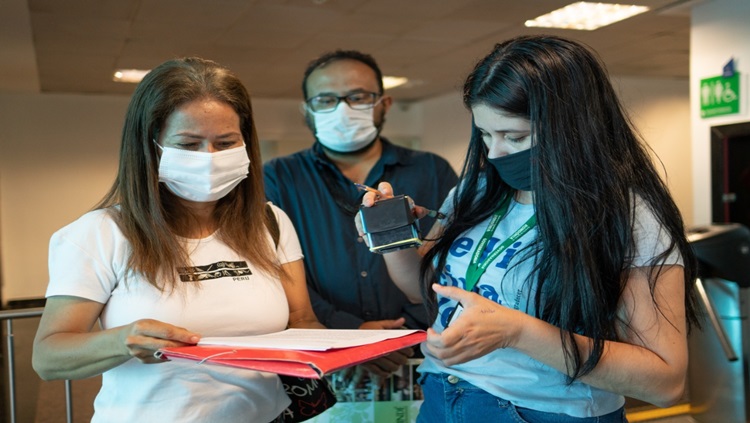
{"points": [[75, 45]]}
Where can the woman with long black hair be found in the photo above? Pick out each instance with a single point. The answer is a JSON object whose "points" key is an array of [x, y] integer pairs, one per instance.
{"points": [[561, 280]]}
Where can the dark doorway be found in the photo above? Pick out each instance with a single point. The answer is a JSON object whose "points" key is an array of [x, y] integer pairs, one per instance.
{"points": [[730, 173]]}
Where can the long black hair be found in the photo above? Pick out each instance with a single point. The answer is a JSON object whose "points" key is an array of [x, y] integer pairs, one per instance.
{"points": [[588, 166]]}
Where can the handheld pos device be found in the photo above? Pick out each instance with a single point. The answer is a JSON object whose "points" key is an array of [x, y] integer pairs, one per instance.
{"points": [[390, 225]]}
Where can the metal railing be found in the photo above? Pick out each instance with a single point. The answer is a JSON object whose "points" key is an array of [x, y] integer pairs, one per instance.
{"points": [[9, 316]]}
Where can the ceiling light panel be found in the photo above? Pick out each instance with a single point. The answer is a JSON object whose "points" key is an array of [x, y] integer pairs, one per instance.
{"points": [[586, 16], [394, 81], [132, 76]]}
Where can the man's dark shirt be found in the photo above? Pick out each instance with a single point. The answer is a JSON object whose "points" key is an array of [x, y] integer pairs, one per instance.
{"points": [[348, 284]]}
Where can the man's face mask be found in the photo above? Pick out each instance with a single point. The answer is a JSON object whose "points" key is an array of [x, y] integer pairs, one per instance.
{"points": [[345, 129], [201, 176]]}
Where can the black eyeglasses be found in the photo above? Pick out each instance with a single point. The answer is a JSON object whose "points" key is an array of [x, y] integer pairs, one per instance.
{"points": [[358, 101]]}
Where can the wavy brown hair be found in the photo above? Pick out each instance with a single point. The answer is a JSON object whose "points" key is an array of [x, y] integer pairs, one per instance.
{"points": [[147, 213]]}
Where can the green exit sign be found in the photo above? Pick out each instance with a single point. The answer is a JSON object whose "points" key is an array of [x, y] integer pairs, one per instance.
{"points": [[720, 95]]}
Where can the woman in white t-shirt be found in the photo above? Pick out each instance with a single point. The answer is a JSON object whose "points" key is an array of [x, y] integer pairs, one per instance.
{"points": [[181, 247], [560, 280]]}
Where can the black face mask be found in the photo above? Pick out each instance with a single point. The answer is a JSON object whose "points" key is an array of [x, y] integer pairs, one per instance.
{"points": [[515, 169]]}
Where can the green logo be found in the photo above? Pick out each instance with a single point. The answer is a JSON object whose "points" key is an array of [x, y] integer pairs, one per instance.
{"points": [[720, 95]]}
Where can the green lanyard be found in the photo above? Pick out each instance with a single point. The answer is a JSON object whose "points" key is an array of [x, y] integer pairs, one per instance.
{"points": [[477, 269]]}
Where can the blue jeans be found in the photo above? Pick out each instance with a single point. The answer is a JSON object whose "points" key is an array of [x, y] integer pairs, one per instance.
{"points": [[452, 400]]}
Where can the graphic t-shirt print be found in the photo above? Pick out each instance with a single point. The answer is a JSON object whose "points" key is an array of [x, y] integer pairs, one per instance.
{"points": [[237, 270], [460, 252]]}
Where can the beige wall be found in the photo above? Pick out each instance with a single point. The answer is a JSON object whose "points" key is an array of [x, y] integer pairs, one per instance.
{"points": [[660, 110], [446, 127], [57, 155]]}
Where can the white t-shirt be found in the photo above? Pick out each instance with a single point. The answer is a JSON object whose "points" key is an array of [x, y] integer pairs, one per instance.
{"points": [[508, 373], [88, 259]]}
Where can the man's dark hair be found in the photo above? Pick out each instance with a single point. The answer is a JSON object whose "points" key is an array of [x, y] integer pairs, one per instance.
{"points": [[335, 56]]}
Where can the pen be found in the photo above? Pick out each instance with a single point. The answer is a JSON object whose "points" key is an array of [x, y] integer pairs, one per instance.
{"points": [[430, 213], [363, 187]]}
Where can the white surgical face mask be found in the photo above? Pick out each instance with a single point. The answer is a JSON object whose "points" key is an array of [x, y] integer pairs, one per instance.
{"points": [[344, 129], [200, 176]]}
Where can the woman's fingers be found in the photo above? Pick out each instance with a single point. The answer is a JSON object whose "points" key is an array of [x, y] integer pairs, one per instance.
{"points": [[386, 189], [144, 337]]}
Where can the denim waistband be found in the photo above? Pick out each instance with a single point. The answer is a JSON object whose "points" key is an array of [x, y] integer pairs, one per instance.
{"points": [[456, 392]]}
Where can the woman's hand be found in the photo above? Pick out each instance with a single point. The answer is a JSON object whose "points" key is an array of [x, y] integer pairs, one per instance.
{"points": [[68, 346], [648, 363], [385, 190], [143, 338], [483, 327]]}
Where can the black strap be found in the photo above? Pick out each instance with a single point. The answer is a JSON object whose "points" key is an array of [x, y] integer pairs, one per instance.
{"points": [[339, 196]]}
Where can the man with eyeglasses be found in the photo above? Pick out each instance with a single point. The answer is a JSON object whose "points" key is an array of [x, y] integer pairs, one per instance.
{"points": [[345, 107]]}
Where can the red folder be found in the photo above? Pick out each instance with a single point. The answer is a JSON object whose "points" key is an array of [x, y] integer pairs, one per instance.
{"points": [[308, 364]]}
